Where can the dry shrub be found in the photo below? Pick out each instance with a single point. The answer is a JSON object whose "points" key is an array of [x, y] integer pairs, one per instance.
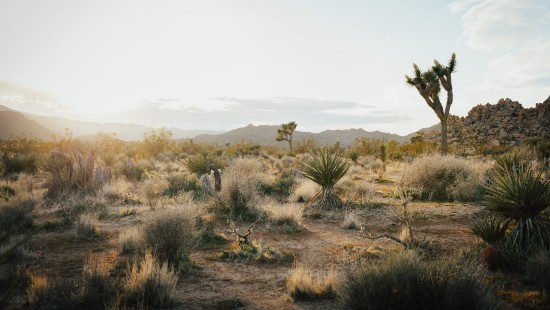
{"points": [[149, 283], [444, 178], [303, 283], [239, 193], [130, 240], [402, 281], [152, 190], [86, 227], [358, 192], [351, 220], [170, 236], [306, 190], [26, 182], [16, 214], [287, 216]]}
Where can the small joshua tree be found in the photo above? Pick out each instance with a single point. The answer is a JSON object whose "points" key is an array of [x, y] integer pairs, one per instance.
{"points": [[429, 85], [285, 133], [326, 168]]}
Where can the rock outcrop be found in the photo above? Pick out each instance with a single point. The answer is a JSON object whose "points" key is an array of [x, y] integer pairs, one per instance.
{"points": [[504, 123]]}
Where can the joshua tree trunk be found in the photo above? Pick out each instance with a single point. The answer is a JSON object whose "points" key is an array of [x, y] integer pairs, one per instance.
{"points": [[290, 144], [444, 137], [217, 180], [329, 199]]}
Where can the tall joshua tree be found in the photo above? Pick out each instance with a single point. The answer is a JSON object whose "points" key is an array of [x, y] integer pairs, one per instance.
{"points": [[429, 85], [285, 133]]}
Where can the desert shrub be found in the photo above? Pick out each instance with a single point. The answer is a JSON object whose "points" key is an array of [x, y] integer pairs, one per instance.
{"points": [[26, 182], [517, 191], [130, 240], [152, 190], [303, 283], [351, 220], [86, 227], [76, 172], [239, 194], [444, 178], [360, 193], [44, 293], [99, 289], [16, 214], [402, 281], [281, 188], [259, 253], [537, 271], [149, 283], [132, 171], [325, 168], [288, 216], [19, 163], [179, 183], [170, 237], [305, 191]]}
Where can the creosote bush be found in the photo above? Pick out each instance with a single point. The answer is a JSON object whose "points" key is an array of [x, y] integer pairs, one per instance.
{"points": [[444, 178], [402, 281]]}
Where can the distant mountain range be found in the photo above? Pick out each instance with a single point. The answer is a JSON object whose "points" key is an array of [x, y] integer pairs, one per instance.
{"points": [[265, 135], [14, 124]]}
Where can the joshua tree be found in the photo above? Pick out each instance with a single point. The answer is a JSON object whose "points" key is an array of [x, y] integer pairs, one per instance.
{"points": [[326, 168], [429, 85], [285, 133]]}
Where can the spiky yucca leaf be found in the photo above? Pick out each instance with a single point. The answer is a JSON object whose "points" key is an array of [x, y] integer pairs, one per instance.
{"points": [[516, 190], [325, 168], [491, 229]]}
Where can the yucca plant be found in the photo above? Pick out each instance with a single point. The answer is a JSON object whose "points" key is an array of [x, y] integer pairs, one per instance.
{"points": [[325, 168], [491, 229], [518, 192]]}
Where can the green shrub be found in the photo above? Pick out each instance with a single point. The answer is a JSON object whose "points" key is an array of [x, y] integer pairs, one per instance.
{"points": [[517, 191], [179, 183], [16, 214], [402, 281], [537, 271], [444, 178], [281, 189], [19, 163], [170, 237], [491, 229]]}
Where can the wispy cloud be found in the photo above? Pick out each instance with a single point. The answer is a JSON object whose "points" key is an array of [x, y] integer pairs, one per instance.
{"points": [[492, 24], [28, 100], [288, 104]]}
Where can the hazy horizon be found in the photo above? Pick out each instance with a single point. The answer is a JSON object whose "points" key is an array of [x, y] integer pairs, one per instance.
{"points": [[220, 65]]}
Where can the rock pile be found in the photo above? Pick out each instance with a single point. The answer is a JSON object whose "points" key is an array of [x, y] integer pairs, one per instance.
{"points": [[504, 123]]}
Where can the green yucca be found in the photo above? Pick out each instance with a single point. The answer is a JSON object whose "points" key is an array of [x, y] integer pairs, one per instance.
{"points": [[325, 168], [491, 229], [518, 192]]}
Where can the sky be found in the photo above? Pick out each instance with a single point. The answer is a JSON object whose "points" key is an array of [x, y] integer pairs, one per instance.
{"points": [[223, 64]]}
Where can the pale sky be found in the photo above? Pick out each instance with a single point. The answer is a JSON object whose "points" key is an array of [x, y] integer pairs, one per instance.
{"points": [[218, 65]]}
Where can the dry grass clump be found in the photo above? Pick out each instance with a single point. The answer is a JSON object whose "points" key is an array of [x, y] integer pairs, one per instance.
{"points": [[303, 283], [351, 220], [152, 190], [402, 281], [305, 191], [149, 283], [260, 253], [16, 214], [239, 196], [130, 240], [170, 236], [444, 178], [358, 192], [287, 216], [86, 227]]}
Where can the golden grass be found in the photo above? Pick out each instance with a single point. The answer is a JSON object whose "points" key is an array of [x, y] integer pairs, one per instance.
{"points": [[303, 283]]}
